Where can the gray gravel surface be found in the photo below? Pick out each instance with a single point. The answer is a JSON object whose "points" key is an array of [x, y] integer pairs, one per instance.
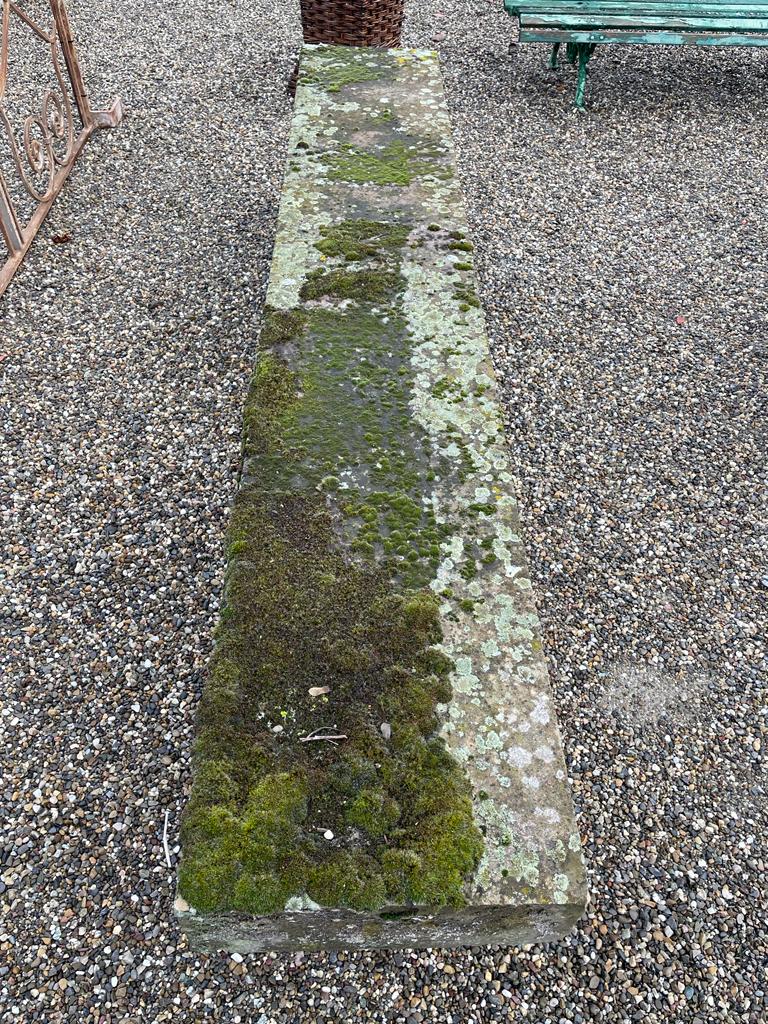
{"points": [[624, 270]]}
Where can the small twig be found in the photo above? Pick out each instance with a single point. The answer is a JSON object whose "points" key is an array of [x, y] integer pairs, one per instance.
{"points": [[331, 738], [165, 841]]}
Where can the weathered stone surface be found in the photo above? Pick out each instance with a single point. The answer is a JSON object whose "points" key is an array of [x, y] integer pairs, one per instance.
{"points": [[322, 928], [375, 531]]}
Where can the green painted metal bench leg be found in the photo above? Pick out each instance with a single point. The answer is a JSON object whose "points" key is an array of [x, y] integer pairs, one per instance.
{"points": [[584, 51], [574, 51]]}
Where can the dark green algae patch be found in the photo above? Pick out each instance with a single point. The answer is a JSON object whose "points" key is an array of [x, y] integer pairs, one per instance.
{"points": [[331, 546], [298, 615]]}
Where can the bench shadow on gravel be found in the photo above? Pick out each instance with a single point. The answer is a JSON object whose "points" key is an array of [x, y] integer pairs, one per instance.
{"points": [[628, 80]]}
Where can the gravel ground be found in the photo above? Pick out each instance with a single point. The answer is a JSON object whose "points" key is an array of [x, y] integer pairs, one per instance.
{"points": [[623, 266]]}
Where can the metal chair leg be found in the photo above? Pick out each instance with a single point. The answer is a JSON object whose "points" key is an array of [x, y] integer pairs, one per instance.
{"points": [[553, 55], [584, 51]]}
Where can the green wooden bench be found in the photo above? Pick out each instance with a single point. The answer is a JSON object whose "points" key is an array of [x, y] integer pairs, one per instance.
{"points": [[582, 24]]}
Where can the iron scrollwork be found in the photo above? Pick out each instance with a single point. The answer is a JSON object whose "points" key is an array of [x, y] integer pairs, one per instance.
{"points": [[49, 142]]}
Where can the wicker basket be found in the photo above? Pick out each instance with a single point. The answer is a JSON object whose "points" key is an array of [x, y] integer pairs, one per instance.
{"points": [[352, 22]]}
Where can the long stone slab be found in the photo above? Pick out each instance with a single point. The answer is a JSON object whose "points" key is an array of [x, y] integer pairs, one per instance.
{"points": [[377, 762]]}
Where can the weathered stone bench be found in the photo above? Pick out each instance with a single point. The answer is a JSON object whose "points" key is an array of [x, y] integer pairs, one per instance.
{"points": [[377, 761]]}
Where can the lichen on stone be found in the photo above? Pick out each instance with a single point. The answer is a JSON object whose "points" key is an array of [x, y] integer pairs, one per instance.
{"points": [[335, 67]]}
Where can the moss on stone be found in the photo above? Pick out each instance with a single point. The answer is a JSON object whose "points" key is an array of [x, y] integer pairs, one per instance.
{"points": [[432, 871], [214, 784], [298, 613], [467, 296], [207, 877], [329, 552], [369, 285], [272, 392], [348, 881], [260, 892], [396, 163], [469, 570], [449, 389], [280, 327], [374, 812], [356, 387], [362, 239]]}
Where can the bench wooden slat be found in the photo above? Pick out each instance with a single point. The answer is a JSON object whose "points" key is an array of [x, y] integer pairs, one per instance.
{"points": [[554, 35], [589, 20], [714, 6], [648, 8]]}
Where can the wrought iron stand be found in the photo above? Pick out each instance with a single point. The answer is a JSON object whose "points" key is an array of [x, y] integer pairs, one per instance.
{"points": [[50, 142]]}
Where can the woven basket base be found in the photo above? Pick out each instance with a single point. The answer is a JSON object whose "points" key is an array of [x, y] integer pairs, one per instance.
{"points": [[353, 22]]}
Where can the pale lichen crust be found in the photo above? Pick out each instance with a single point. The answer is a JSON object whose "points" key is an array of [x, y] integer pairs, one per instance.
{"points": [[376, 589]]}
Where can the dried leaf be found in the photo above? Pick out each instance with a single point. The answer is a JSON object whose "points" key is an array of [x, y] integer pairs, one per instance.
{"points": [[318, 691], [386, 730]]}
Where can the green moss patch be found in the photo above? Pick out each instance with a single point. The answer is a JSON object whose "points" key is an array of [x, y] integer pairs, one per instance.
{"points": [[362, 239], [261, 807], [398, 162], [370, 285], [351, 436], [332, 544]]}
